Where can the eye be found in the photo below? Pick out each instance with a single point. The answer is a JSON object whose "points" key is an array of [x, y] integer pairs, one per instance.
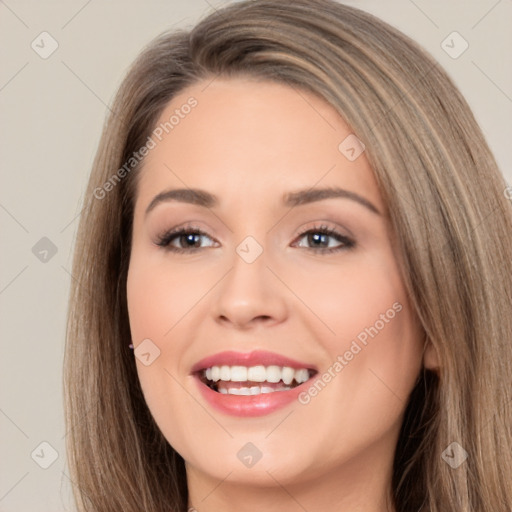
{"points": [[321, 239], [189, 236], [188, 239]]}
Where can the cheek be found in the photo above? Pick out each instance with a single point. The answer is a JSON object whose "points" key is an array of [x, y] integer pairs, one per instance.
{"points": [[157, 299], [349, 298], [156, 303], [369, 333]]}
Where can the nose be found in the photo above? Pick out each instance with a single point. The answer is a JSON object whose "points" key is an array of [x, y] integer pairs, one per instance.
{"points": [[250, 295]]}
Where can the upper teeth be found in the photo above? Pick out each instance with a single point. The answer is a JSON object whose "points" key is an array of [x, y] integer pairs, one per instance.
{"points": [[256, 374]]}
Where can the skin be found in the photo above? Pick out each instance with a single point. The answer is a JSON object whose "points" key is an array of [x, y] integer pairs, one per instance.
{"points": [[249, 143]]}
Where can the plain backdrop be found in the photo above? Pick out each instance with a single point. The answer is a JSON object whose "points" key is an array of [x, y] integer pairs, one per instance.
{"points": [[52, 110]]}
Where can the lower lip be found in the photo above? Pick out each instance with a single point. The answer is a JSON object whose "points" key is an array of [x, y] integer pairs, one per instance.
{"points": [[249, 405]]}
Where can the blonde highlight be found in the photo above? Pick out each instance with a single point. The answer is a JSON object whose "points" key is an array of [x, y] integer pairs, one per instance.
{"points": [[447, 206]]}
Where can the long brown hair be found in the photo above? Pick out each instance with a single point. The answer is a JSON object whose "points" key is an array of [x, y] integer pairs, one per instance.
{"points": [[447, 206]]}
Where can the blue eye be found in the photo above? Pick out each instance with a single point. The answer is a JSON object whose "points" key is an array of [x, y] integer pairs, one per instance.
{"points": [[320, 238]]}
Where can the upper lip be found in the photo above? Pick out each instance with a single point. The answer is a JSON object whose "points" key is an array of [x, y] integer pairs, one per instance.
{"points": [[254, 358]]}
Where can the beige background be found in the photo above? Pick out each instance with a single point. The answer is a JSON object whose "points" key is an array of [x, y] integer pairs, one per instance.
{"points": [[52, 112]]}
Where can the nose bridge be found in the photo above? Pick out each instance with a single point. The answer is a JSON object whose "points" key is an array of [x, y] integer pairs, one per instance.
{"points": [[250, 291]]}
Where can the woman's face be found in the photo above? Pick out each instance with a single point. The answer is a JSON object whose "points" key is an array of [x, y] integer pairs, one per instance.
{"points": [[273, 280]]}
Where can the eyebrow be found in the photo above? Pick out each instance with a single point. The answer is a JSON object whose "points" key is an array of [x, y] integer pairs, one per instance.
{"points": [[291, 199]]}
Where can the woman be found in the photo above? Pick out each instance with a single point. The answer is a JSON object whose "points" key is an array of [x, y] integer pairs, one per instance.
{"points": [[295, 223]]}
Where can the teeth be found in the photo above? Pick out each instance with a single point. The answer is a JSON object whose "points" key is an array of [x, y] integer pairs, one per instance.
{"points": [[238, 373], [288, 374], [254, 390], [225, 373], [257, 373], [272, 374], [301, 375]]}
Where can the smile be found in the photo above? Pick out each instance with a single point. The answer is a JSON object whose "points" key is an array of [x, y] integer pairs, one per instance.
{"points": [[250, 384], [254, 380]]}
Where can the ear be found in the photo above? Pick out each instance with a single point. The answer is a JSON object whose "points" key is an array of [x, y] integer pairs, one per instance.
{"points": [[430, 356]]}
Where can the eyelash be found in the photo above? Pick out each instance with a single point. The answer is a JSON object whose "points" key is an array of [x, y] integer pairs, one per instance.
{"points": [[166, 238]]}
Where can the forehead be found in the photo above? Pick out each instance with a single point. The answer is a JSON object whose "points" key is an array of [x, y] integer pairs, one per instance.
{"points": [[253, 139]]}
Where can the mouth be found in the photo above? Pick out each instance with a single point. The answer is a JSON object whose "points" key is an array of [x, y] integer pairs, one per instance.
{"points": [[248, 384], [253, 380]]}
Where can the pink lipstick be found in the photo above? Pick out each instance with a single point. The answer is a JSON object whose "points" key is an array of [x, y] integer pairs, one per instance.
{"points": [[251, 384]]}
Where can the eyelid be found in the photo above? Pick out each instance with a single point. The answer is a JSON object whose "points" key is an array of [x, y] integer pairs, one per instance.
{"points": [[348, 241], [164, 240]]}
